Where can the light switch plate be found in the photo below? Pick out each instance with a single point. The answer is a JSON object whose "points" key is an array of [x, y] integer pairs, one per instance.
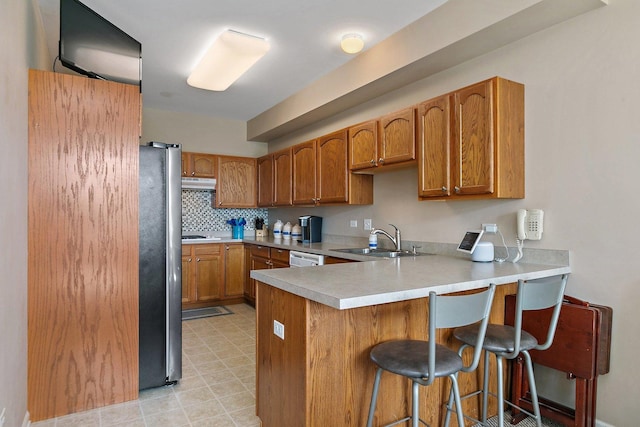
{"points": [[367, 224], [353, 223], [278, 329]]}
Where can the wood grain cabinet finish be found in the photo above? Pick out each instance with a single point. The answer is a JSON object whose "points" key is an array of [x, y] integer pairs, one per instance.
{"points": [[260, 257], [212, 274], [321, 174], [389, 141], [478, 133], [275, 179], [237, 182], [83, 244], [234, 270], [199, 165], [304, 173], [326, 353], [264, 166]]}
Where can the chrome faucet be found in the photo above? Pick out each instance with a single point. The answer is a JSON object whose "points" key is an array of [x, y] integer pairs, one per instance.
{"points": [[397, 241]]}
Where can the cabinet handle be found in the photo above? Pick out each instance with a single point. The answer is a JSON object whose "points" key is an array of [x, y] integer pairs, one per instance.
{"points": [[193, 173], [189, 260], [381, 160], [457, 189], [227, 247], [220, 203], [197, 259], [372, 161], [444, 189]]}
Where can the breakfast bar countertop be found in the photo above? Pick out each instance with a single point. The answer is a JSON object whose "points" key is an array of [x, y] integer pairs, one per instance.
{"points": [[361, 284]]}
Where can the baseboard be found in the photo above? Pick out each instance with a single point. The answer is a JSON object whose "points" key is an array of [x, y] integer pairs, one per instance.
{"points": [[603, 424], [26, 422]]}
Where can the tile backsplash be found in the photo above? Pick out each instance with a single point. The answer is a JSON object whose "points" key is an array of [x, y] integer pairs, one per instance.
{"points": [[199, 215]]}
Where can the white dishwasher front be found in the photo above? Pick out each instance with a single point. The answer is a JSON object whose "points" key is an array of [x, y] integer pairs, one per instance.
{"points": [[303, 259]]}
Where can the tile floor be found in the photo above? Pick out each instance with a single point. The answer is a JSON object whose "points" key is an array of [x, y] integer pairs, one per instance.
{"points": [[217, 387]]}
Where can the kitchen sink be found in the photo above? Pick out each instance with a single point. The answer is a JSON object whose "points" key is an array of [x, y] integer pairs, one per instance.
{"points": [[380, 253]]}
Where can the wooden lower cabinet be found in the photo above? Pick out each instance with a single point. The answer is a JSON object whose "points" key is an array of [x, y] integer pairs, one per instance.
{"points": [[234, 270], [212, 274], [321, 374], [259, 257]]}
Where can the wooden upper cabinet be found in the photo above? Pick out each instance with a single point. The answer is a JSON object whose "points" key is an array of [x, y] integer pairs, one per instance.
{"points": [[434, 149], [486, 142], [237, 182], [199, 165], [282, 178], [331, 171], [389, 142], [265, 181], [304, 173], [363, 145], [397, 135]]}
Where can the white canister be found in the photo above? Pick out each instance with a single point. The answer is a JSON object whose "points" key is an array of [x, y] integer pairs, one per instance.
{"points": [[296, 232], [286, 231], [277, 229], [373, 241]]}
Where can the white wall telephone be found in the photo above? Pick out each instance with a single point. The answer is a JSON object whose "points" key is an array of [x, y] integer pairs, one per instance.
{"points": [[530, 224]]}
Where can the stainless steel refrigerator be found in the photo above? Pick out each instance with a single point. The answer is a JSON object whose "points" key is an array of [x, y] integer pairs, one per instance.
{"points": [[160, 265]]}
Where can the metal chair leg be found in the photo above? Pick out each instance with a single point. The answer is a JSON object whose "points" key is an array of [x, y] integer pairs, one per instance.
{"points": [[456, 394], [416, 405], [485, 387], [500, 391], [374, 397], [532, 388]]}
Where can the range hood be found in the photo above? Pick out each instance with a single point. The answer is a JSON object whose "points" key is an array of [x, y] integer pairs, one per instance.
{"points": [[199, 184]]}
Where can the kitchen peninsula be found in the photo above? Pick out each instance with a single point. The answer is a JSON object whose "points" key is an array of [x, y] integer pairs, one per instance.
{"points": [[320, 373]]}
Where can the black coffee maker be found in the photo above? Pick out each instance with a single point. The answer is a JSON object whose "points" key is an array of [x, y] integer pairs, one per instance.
{"points": [[311, 228]]}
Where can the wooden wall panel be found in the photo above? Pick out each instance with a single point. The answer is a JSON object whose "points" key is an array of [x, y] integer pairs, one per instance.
{"points": [[83, 244]]}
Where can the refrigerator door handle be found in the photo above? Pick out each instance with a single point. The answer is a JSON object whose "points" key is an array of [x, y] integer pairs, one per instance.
{"points": [[174, 264]]}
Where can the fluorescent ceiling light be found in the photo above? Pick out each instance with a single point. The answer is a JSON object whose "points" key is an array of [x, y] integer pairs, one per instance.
{"points": [[352, 43], [229, 57]]}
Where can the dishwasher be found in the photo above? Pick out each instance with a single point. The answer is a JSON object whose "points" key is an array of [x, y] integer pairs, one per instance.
{"points": [[303, 259]]}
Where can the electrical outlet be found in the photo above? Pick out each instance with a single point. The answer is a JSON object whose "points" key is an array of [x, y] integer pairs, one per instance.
{"points": [[353, 223], [278, 329], [490, 228], [367, 224]]}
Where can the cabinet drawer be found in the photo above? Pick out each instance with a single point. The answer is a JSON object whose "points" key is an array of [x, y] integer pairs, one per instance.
{"points": [[213, 249], [280, 255], [261, 251]]}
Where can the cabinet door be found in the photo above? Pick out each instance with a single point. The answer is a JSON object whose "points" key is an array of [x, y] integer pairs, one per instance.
{"points": [[188, 275], [202, 165], [236, 186], [209, 272], [265, 181], [434, 147], [257, 263], [234, 270], [472, 157], [363, 145], [331, 169], [304, 173], [282, 177], [397, 137]]}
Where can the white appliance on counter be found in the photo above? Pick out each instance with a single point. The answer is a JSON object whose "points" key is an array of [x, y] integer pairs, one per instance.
{"points": [[303, 259]]}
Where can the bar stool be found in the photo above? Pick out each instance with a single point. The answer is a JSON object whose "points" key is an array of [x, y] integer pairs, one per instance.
{"points": [[507, 342], [424, 361]]}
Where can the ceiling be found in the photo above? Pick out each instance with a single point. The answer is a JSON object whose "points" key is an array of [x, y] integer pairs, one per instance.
{"points": [[304, 37]]}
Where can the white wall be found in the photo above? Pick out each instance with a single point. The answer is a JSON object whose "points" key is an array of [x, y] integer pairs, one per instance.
{"points": [[199, 133], [582, 155], [22, 47]]}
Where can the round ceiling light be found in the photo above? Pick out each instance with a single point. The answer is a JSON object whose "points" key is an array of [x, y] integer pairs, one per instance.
{"points": [[352, 43]]}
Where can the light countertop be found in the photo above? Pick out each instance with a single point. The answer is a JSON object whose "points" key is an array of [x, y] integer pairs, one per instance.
{"points": [[380, 281]]}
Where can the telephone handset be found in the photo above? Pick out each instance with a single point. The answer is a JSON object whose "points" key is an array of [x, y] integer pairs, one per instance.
{"points": [[530, 224]]}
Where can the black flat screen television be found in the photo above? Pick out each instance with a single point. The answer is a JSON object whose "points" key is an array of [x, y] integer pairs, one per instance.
{"points": [[93, 46]]}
